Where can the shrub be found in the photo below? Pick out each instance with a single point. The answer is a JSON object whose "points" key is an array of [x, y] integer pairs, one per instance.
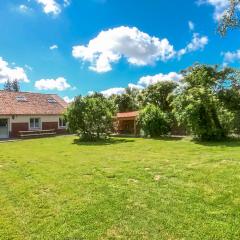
{"points": [[153, 121], [90, 117]]}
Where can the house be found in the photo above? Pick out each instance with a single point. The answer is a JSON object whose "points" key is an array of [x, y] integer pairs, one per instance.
{"points": [[126, 122], [25, 111]]}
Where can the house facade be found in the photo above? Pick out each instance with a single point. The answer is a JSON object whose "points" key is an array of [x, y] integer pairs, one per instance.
{"points": [[24, 111]]}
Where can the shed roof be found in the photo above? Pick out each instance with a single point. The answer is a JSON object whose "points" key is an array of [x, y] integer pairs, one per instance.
{"points": [[128, 114]]}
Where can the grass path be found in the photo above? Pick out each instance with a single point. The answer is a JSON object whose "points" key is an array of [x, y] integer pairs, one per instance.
{"points": [[126, 189]]}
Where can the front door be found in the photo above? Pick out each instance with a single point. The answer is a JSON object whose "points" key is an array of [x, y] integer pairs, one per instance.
{"points": [[4, 128]]}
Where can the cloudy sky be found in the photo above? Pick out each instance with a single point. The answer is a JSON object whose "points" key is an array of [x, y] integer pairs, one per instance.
{"points": [[73, 47]]}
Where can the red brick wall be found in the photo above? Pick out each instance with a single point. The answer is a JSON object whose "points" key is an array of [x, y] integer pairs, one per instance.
{"points": [[16, 127], [52, 125], [49, 125]]}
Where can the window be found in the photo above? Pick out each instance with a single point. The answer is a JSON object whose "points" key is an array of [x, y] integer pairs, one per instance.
{"points": [[35, 123], [51, 100], [21, 99], [62, 122]]}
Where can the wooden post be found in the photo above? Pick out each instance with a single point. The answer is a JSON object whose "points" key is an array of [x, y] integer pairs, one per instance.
{"points": [[135, 128]]}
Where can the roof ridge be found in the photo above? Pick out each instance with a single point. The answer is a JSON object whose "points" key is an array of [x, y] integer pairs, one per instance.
{"points": [[29, 92]]}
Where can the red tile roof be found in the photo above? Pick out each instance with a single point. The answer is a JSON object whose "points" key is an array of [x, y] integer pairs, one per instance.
{"points": [[127, 114], [33, 104]]}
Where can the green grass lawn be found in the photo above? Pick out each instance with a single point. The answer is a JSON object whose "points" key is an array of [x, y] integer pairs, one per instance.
{"points": [[127, 188]]}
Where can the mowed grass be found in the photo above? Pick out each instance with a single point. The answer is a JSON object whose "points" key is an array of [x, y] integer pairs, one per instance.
{"points": [[126, 188]]}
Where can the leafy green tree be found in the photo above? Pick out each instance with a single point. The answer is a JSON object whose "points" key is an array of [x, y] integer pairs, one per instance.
{"points": [[230, 97], [127, 101], [159, 94], [153, 121], [230, 18], [15, 86], [91, 117], [7, 86], [12, 86], [198, 107]]}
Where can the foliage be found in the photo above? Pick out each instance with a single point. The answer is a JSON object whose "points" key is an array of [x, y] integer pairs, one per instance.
{"points": [[127, 101], [230, 97], [154, 121], [198, 106], [7, 86], [15, 86], [90, 117], [11, 86], [230, 18], [160, 95]]}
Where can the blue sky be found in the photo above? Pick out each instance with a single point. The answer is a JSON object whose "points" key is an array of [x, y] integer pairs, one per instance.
{"points": [[55, 46]]}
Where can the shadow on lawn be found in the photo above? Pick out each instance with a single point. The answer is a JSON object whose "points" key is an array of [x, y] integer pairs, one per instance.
{"points": [[109, 141], [169, 138], [230, 142]]}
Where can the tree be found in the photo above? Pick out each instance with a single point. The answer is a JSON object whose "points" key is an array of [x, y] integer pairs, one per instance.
{"points": [[160, 95], [127, 101], [153, 121], [7, 86], [230, 97], [198, 107], [12, 86], [90, 117], [15, 86], [230, 18]]}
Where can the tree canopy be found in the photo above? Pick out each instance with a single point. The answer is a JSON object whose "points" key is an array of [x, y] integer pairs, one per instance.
{"points": [[199, 107], [230, 18], [206, 102], [12, 86], [91, 117]]}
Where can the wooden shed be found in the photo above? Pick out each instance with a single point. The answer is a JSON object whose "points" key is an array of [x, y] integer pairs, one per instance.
{"points": [[126, 122]]}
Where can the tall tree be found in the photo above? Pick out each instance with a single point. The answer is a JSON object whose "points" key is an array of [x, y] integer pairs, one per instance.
{"points": [[198, 106], [160, 95], [230, 17], [127, 101], [7, 86], [15, 86], [12, 86]]}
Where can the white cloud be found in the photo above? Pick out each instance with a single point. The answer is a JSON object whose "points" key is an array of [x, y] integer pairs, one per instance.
{"points": [[123, 42], [191, 25], [138, 48], [68, 100], [219, 7], [59, 84], [135, 86], [53, 47], [23, 8], [198, 42], [50, 6], [143, 83], [111, 91], [11, 73], [230, 57], [53, 7], [149, 80]]}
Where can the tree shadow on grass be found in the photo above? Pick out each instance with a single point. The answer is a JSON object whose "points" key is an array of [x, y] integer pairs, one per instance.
{"points": [[169, 138], [229, 142], [103, 142]]}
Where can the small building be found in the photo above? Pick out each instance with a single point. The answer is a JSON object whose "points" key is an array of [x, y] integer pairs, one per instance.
{"points": [[25, 111], [126, 122]]}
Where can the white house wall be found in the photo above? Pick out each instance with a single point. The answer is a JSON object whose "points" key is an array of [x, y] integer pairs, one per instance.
{"points": [[26, 119]]}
